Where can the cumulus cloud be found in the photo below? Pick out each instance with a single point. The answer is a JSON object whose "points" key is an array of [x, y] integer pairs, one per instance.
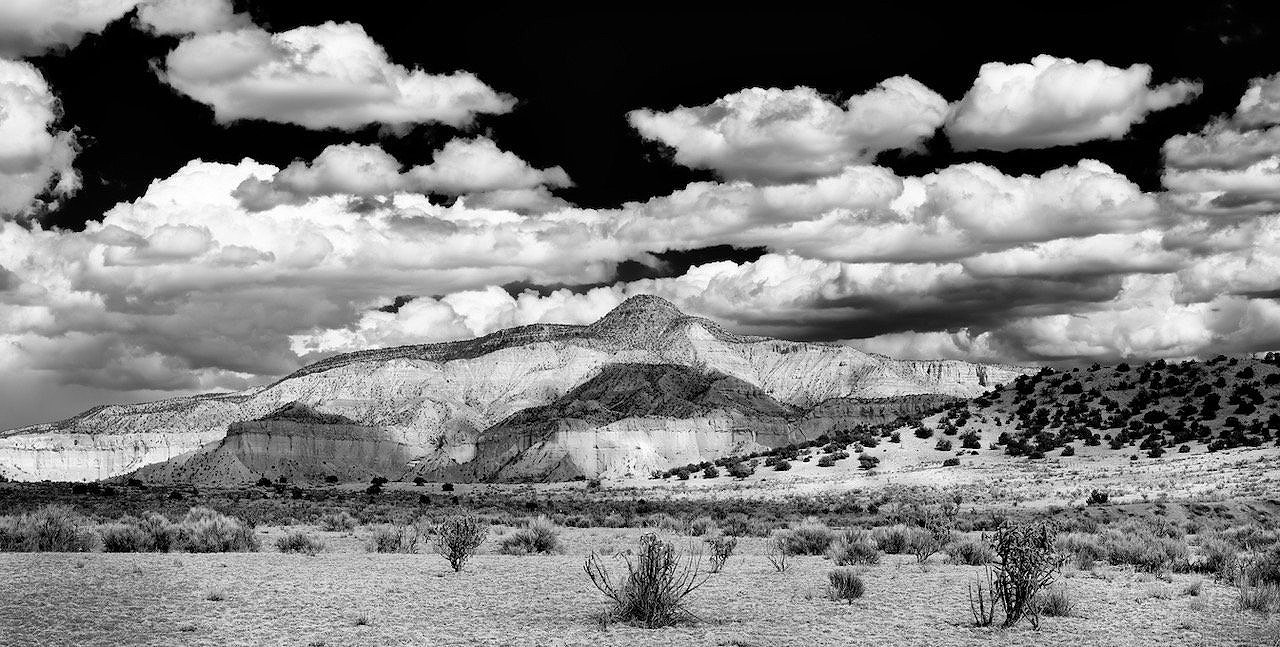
{"points": [[868, 213], [1231, 168], [1260, 105], [35, 157], [1221, 146], [476, 168], [775, 135], [182, 17], [1057, 101], [325, 76], [34, 27]]}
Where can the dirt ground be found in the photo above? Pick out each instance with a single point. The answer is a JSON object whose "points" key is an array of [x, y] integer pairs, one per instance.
{"points": [[348, 597]]}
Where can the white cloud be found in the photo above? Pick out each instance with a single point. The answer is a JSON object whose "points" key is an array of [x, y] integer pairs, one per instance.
{"points": [[477, 165], [1221, 146], [1258, 181], [1057, 101], [775, 135], [35, 158], [34, 27], [325, 76], [182, 17], [1260, 105], [476, 168]]}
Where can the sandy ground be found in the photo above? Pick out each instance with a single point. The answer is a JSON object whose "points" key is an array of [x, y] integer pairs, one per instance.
{"points": [[274, 599]]}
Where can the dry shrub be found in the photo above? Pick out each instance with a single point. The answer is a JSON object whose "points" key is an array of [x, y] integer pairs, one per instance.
{"points": [[854, 547], [151, 534], [297, 541], [812, 537], [1026, 564], [893, 540], [124, 537], [844, 585], [458, 538], [53, 528], [204, 530], [1085, 548], [1258, 581], [736, 525], [1054, 603], [1144, 550], [721, 550], [341, 521], [970, 552], [702, 526], [393, 539], [538, 535], [652, 592], [776, 552]]}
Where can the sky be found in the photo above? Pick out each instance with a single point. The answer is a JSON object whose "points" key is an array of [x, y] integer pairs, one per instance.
{"points": [[204, 195]]}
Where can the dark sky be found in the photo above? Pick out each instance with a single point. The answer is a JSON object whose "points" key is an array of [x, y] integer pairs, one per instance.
{"points": [[577, 74]]}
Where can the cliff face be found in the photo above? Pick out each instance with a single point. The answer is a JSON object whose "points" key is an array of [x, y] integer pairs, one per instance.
{"points": [[438, 399], [302, 450]]}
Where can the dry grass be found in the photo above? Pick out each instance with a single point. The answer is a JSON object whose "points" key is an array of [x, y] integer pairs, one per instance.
{"points": [[274, 599]]}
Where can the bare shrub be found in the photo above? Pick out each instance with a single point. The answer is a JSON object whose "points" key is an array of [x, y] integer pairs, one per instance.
{"points": [[297, 541], [538, 535], [340, 521], [659, 577], [854, 547], [204, 530], [458, 538], [721, 548], [776, 552], [844, 585]]}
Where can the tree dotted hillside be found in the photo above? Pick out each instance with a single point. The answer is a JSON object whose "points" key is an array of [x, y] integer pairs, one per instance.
{"points": [[1154, 408]]}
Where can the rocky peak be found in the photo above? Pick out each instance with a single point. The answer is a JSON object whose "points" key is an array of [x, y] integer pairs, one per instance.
{"points": [[642, 310]]}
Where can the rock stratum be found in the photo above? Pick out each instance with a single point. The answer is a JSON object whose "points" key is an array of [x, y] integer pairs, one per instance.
{"points": [[643, 388]]}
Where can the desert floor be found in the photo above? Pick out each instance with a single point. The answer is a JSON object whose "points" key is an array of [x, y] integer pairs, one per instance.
{"points": [[348, 597]]}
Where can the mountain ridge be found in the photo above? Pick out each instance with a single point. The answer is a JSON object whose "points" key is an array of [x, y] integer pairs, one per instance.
{"points": [[441, 397]]}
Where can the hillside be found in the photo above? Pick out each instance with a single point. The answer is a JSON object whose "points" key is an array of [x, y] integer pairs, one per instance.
{"points": [[1152, 409], [438, 399]]}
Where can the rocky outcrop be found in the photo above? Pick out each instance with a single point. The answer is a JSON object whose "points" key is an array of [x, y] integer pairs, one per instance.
{"points": [[294, 441], [438, 399]]}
